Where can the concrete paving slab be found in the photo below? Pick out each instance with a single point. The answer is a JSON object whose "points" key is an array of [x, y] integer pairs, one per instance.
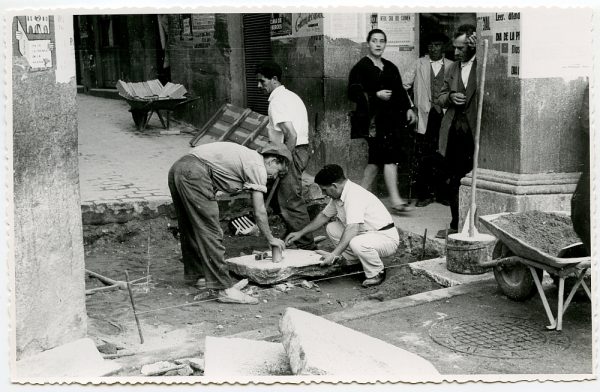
{"points": [[316, 346], [436, 269], [236, 359], [296, 263], [77, 359]]}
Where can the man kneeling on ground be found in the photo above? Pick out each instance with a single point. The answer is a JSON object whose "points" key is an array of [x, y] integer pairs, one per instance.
{"points": [[363, 228]]}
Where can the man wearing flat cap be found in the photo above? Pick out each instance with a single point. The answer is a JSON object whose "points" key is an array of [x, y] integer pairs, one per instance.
{"points": [[193, 181], [363, 228]]}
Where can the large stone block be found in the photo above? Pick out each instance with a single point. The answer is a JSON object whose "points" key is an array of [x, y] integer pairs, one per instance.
{"points": [[78, 359], [316, 346], [296, 263], [232, 358]]}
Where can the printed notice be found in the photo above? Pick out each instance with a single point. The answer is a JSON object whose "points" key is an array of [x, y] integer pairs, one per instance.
{"points": [[399, 29], [37, 52]]}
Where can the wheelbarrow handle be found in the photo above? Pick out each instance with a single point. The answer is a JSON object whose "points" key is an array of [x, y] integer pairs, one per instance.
{"points": [[186, 102]]}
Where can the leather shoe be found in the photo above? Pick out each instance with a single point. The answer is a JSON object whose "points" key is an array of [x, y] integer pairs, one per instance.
{"points": [[442, 233], [375, 280], [424, 202]]}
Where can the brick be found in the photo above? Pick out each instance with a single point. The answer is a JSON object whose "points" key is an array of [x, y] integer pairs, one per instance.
{"points": [[316, 346], [235, 358]]}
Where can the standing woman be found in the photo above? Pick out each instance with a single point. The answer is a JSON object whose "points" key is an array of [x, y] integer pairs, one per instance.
{"points": [[383, 110]]}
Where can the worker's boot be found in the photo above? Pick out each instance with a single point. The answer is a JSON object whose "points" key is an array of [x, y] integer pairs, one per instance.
{"points": [[235, 296]]}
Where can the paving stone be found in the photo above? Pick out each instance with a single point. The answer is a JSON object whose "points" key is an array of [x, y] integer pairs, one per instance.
{"points": [[79, 358], [296, 263], [436, 270], [232, 358], [316, 346]]}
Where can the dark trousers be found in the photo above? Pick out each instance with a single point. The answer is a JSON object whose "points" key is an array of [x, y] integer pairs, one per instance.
{"points": [[428, 176], [289, 196], [459, 161], [200, 232]]}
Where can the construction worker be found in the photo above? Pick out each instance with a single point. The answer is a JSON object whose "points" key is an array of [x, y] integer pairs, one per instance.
{"points": [[193, 181]]}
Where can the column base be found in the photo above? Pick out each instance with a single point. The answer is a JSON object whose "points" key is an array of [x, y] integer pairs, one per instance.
{"points": [[510, 192]]}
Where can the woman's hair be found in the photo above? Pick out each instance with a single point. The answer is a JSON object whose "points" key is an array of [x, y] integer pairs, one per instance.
{"points": [[376, 31]]}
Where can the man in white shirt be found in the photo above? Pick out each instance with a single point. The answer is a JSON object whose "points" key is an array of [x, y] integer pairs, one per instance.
{"points": [[363, 228], [459, 97], [288, 124], [426, 79]]}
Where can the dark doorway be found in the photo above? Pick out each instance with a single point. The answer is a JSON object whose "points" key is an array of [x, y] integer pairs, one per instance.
{"points": [[443, 23], [257, 48]]}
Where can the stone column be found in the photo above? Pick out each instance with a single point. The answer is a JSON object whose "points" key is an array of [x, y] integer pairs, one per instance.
{"points": [[49, 286], [531, 146]]}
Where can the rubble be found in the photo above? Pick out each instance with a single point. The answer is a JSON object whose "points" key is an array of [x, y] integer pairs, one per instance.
{"points": [[195, 363], [160, 368]]}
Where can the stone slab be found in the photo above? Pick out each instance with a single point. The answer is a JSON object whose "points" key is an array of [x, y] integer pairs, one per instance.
{"points": [[436, 270], [316, 346], [296, 263], [77, 359], [232, 358]]}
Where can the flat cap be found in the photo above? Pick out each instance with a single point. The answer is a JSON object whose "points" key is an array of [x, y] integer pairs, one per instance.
{"points": [[276, 149]]}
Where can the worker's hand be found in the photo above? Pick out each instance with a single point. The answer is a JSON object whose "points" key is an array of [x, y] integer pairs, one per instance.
{"points": [[329, 259], [411, 116], [278, 243], [384, 95], [292, 237], [458, 98]]}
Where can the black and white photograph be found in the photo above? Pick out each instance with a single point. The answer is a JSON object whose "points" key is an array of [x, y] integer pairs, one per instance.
{"points": [[259, 195]]}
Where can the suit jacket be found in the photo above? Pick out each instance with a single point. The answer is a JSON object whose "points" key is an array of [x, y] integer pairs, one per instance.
{"points": [[420, 80], [451, 80]]}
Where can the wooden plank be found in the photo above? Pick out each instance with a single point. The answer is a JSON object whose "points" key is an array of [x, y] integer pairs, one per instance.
{"points": [[207, 125], [256, 132], [235, 124]]}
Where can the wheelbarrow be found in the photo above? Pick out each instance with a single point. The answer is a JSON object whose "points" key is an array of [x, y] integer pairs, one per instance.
{"points": [[142, 109], [518, 268]]}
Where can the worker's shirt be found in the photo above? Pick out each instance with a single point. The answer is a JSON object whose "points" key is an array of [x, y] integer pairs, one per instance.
{"points": [[234, 168], [358, 205], [285, 105]]}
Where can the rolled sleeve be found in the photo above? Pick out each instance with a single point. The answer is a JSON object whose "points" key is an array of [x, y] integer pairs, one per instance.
{"points": [[355, 211], [255, 178], [329, 211]]}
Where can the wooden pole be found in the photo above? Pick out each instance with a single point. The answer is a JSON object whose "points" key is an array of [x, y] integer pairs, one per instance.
{"points": [[476, 141], [137, 320]]}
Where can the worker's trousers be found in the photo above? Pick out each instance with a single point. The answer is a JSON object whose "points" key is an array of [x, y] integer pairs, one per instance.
{"points": [[368, 247], [200, 232], [289, 196]]}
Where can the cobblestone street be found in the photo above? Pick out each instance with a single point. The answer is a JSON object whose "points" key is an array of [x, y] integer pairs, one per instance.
{"points": [[117, 163]]}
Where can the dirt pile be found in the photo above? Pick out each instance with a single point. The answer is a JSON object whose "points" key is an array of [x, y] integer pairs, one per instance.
{"points": [[545, 231]]}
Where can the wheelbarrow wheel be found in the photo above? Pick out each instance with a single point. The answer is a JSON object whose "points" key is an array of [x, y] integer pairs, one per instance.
{"points": [[514, 280]]}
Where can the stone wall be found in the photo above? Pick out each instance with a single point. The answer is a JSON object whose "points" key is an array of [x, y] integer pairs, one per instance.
{"points": [[49, 299], [202, 63]]}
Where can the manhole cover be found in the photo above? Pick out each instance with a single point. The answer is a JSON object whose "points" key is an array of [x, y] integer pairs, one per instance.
{"points": [[498, 337]]}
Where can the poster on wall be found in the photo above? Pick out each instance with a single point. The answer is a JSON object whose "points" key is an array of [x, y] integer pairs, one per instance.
{"points": [[350, 26], [34, 36], [65, 48], [503, 29], [399, 29], [281, 25], [197, 30], [307, 24]]}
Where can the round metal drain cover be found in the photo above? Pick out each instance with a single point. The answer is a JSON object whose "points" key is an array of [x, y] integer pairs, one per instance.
{"points": [[498, 337]]}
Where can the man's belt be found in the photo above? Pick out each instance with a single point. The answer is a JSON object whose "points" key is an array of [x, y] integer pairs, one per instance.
{"points": [[387, 227]]}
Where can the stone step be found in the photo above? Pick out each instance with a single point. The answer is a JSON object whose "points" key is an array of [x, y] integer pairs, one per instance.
{"points": [[316, 346]]}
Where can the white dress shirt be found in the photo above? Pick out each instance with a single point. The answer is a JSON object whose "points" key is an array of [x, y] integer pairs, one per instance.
{"points": [[285, 105], [437, 66], [465, 70]]}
